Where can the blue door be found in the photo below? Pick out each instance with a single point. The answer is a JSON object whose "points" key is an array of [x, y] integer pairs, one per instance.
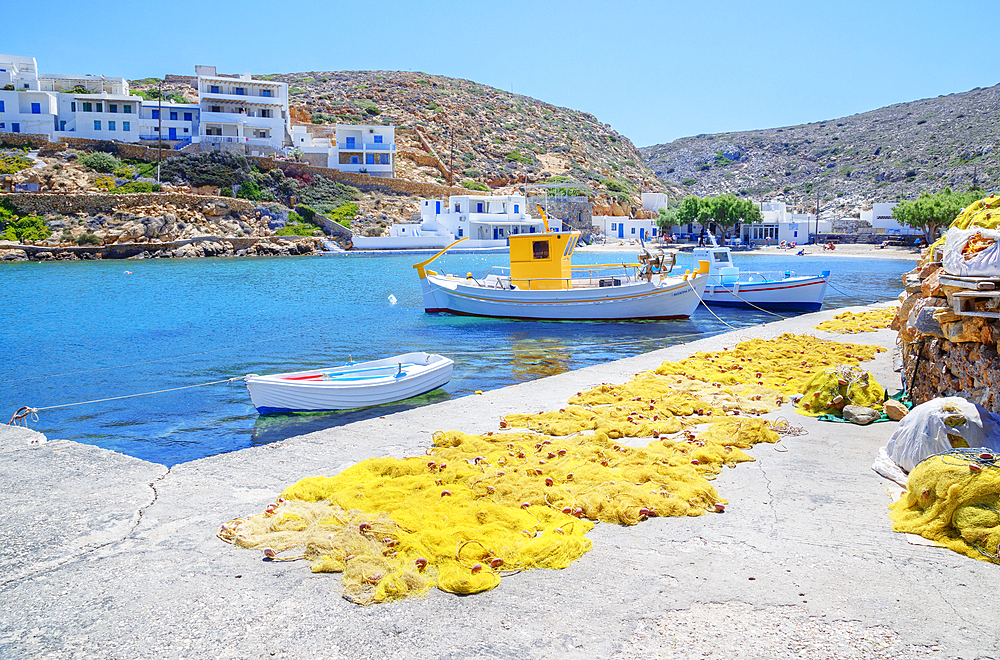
{"points": [[15, 128], [173, 133], [437, 209], [350, 143], [642, 233], [36, 108], [621, 230], [496, 235]]}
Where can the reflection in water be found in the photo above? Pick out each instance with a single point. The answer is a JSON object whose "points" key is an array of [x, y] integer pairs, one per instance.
{"points": [[275, 427], [537, 358]]}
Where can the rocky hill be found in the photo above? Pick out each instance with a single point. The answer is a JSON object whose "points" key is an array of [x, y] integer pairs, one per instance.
{"points": [[887, 154], [499, 138]]}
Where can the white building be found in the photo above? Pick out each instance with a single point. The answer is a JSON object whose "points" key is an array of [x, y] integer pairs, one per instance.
{"points": [[242, 113], [615, 227], [882, 222], [779, 225], [174, 121], [485, 220], [366, 149]]}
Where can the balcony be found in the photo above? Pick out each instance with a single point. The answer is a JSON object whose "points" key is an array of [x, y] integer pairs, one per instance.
{"points": [[367, 146], [233, 139], [239, 118], [274, 99]]}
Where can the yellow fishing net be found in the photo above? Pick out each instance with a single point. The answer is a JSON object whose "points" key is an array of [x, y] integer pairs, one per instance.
{"points": [[954, 500], [984, 213], [783, 364], [867, 321], [829, 391], [477, 507]]}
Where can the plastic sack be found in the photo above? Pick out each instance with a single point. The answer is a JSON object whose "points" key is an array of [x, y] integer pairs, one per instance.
{"points": [[985, 263], [941, 425]]}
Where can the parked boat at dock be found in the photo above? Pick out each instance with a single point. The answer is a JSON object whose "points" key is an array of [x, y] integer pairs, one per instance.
{"points": [[354, 385], [542, 283], [728, 286]]}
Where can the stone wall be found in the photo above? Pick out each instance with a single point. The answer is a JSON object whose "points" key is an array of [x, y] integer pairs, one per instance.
{"points": [[577, 212], [944, 353], [368, 182], [32, 139], [42, 203]]}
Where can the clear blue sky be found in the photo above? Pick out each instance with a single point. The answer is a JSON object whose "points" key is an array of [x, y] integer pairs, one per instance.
{"points": [[655, 71]]}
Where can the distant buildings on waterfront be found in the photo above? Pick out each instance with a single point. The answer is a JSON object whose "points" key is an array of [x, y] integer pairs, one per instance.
{"points": [[232, 112]]}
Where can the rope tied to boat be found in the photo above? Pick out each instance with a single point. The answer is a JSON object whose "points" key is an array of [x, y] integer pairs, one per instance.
{"points": [[702, 301], [24, 412]]}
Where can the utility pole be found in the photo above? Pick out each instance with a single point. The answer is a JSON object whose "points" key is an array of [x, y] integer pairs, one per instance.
{"points": [[817, 216], [159, 130], [451, 157]]}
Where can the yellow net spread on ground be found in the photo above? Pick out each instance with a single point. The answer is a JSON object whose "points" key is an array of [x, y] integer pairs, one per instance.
{"points": [[829, 391], [477, 507], [954, 500], [867, 321]]}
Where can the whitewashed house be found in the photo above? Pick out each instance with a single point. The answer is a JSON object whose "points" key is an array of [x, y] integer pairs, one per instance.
{"points": [[365, 149], [169, 121], [485, 220], [882, 222], [623, 228], [242, 113], [778, 225]]}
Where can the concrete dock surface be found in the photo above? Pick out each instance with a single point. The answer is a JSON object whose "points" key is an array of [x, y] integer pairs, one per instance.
{"points": [[107, 556]]}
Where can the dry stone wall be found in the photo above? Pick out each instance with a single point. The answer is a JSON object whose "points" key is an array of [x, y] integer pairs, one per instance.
{"points": [[944, 353], [45, 203]]}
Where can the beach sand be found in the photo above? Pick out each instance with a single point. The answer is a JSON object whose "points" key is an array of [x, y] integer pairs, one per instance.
{"points": [[844, 250]]}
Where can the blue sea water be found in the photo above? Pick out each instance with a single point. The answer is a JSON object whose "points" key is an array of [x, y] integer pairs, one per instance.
{"points": [[80, 331]]}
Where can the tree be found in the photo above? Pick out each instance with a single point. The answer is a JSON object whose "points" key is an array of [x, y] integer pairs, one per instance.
{"points": [[724, 210], [930, 213], [666, 219]]}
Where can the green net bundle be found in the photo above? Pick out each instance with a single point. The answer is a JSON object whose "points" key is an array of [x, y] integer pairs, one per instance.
{"points": [[954, 500], [476, 508], [829, 391]]}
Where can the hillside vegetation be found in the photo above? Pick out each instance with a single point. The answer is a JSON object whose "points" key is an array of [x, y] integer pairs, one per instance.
{"points": [[887, 154]]}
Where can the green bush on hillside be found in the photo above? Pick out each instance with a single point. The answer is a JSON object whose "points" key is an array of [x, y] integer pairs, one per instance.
{"points": [[14, 227], [344, 214], [100, 161], [12, 163], [475, 185]]}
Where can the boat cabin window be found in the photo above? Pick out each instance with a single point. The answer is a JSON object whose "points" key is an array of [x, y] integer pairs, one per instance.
{"points": [[540, 249], [722, 256]]}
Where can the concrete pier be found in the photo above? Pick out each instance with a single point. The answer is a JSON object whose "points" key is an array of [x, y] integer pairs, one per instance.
{"points": [[107, 556]]}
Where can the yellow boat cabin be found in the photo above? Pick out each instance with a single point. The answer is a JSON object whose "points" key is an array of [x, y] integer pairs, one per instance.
{"points": [[542, 261]]}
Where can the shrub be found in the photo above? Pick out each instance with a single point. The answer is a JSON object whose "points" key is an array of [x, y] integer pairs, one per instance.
{"points": [[137, 187], [208, 168], [475, 185], [615, 186], [27, 228], [324, 194], [518, 157], [689, 182], [300, 229], [104, 183], [307, 214], [343, 214], [13, 163], [88, 239], [250, 190], [100, 161], [124, 172], [226, 192]]}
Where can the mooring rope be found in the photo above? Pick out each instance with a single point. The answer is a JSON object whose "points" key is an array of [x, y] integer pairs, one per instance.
{"points": [[688, 282], [25, 411]]}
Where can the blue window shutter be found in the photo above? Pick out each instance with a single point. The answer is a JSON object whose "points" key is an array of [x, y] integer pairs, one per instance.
{"points": [[515, 209], [1, 106], [36, 108], [97, 125], [156, 114], [173, 116], [126, 126], [187, 116]]}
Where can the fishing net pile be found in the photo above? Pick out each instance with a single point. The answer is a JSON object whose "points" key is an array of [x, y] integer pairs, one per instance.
{"points": [[828, 391], [954, 499], [478, 507], [867, 321], [984, 213]]}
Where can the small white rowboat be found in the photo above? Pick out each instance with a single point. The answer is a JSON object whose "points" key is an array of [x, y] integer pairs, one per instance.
{"points": [[354, 385]]}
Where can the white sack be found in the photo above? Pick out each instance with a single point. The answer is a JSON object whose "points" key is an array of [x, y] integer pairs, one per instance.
{"points": [[983, 264], [925, 430]]}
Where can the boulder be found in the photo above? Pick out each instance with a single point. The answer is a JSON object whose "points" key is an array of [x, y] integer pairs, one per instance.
{"points": [[861, 415], [13, 255], [895, 410]]}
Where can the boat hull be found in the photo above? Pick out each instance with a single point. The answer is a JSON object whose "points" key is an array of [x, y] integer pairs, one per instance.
{"points": [[349, 387], [672, 298], [803, 294]]}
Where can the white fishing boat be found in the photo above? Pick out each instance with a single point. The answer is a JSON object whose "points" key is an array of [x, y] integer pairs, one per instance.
{"points": [[728, 286], [354, 385], [542, 283]]}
